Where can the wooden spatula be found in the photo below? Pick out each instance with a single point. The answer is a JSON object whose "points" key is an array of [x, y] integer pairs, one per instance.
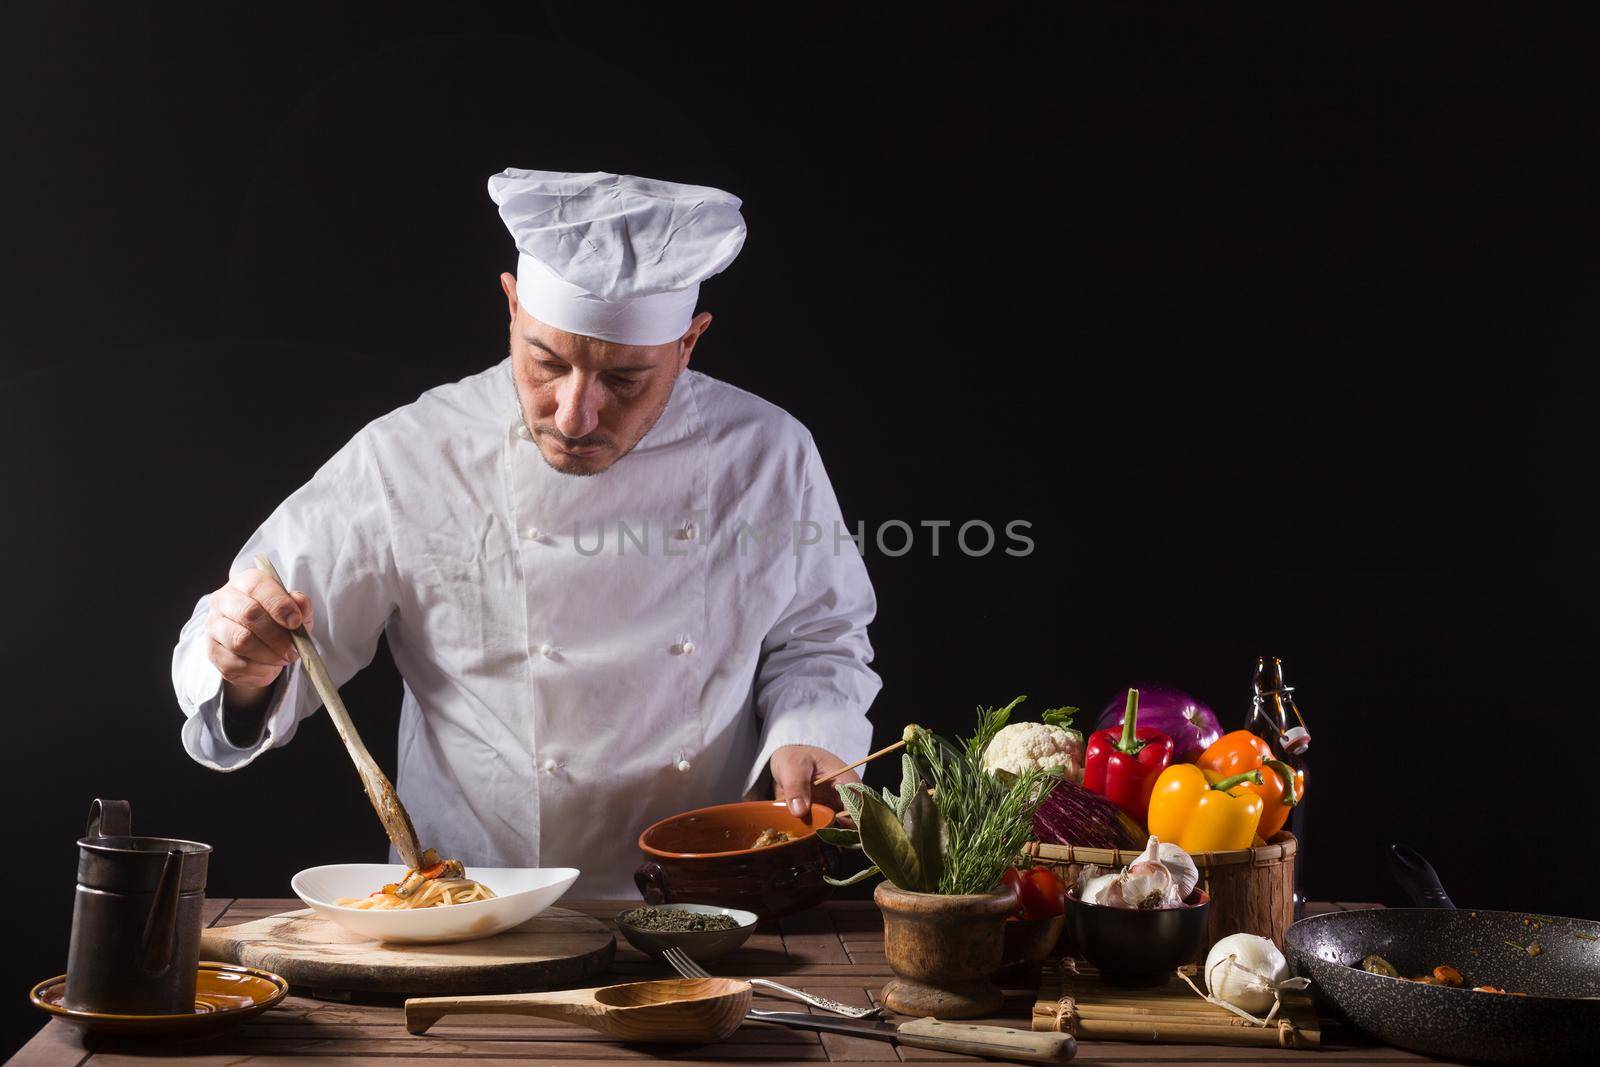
{"points": [[689, 1010], [396, 823]]}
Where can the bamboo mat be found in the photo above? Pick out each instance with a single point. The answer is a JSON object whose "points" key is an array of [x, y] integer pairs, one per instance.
{"points": [[1074, 999]]}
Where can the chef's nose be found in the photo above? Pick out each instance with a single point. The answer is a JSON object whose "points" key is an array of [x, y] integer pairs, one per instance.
{"points": [[577, 405]]}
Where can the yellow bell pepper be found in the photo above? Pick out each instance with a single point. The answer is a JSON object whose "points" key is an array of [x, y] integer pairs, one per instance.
{"points": [[1201, 811]]}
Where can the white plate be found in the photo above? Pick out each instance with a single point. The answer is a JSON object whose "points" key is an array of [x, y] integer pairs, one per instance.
{"points": [[521, 893]]}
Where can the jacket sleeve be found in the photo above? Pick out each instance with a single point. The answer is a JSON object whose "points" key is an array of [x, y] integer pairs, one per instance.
{"points": [[331, 539], [813, 685]]}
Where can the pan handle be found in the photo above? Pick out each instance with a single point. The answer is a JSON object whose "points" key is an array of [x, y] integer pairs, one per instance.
{"points": [[1418, 878]]}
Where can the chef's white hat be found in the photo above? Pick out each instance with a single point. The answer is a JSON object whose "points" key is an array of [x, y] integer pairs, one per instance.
{"points": [[613, 256]]}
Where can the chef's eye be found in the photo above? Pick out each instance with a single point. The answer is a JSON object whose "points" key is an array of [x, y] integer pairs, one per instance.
{"points": [[551, 366], [623, 383]]}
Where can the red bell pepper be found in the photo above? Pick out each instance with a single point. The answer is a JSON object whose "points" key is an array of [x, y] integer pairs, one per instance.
{"points": [[1123, 766]]}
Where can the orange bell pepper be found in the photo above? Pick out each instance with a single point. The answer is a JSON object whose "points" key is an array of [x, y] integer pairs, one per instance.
{"points": [[1201, 811], [1281, 785]]}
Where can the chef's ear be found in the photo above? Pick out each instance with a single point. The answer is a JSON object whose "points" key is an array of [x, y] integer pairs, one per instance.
{"points": [[508, 282], [701, 323]]}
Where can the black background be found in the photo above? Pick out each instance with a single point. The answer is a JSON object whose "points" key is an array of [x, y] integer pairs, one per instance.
{"points": [[1275, 324]]}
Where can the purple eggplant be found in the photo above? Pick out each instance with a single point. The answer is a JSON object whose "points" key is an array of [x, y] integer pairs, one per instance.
{"points": [[1071, 815], [1191, 725]]}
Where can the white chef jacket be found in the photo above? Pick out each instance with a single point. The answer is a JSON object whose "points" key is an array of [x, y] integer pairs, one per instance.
{"points": [[582, 655]]}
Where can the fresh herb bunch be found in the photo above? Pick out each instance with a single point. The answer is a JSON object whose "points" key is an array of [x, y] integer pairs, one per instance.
{"points": [[963, 837]]}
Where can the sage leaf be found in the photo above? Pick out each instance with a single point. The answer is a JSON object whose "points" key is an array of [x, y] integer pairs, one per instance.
{"points": [[929, 839], [910, 783], [887, 845], [850, 797], [838, 835], [859, 876]]}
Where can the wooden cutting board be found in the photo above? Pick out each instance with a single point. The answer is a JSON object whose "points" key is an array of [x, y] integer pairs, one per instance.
{"points": [[554, 949]]}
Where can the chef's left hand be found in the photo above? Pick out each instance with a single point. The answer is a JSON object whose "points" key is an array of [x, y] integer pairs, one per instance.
{"points": [[793, 769]]}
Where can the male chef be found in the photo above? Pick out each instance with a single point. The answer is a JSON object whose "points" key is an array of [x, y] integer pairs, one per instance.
{"points": [[597, 569]]}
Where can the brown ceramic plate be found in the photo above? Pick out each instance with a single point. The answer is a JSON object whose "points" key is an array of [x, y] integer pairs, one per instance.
{"points": [[224, 993], [705, 857], [727, 829]]}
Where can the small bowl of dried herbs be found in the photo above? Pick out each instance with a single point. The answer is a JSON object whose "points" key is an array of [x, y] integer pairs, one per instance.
{"points": [[703, 931]]}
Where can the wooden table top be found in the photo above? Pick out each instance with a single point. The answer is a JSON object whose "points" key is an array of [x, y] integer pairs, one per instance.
{"points": [[835, 950]]}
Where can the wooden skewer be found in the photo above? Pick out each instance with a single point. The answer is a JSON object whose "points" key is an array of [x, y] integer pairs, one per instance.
{"points": [[1282, 1035], [831, 775]]}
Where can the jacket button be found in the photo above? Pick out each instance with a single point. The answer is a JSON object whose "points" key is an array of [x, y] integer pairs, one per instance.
{"points": [[687, 532], [683, 766], [550, 766], [524, 433], [547, 651], [533, 533]]}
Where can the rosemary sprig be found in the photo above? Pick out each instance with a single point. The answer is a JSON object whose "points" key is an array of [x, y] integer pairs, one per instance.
{"points": [[988, 817]]}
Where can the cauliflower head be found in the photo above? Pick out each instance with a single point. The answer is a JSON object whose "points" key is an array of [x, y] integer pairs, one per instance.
{"points": [[1025, 745]]}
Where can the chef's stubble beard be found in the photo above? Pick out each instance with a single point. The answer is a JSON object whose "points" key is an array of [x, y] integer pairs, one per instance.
{"points": [[655, 417]]}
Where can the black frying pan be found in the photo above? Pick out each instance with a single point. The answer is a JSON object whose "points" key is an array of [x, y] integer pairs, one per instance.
{"points": [[1550, 1025]]}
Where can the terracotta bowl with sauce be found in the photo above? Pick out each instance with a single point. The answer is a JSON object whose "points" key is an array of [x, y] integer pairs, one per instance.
{"points": [[710, 856]]}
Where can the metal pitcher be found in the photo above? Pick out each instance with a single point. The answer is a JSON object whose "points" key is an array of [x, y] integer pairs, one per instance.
{"points": [[136, 919]]}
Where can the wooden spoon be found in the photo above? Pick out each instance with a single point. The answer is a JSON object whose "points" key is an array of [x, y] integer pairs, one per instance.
{"points": [[690, 1010], [396, 823]]}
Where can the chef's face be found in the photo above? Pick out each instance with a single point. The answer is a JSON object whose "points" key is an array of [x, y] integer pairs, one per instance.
{"points": [[587, 401]]}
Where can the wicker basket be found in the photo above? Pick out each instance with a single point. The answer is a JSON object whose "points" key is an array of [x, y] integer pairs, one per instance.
{"points": [[1252, 889]]}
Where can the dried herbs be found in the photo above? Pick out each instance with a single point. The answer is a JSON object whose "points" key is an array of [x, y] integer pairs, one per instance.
{"points": [[675, 920]]}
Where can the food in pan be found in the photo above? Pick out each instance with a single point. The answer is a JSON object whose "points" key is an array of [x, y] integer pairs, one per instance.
{"points": [[1375, 964], [1444, 975], [440, 883], [770, 836]]}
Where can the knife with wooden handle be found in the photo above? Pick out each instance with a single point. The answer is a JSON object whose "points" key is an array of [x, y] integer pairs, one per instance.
{"points": [[385, 801], [993, 1042]]}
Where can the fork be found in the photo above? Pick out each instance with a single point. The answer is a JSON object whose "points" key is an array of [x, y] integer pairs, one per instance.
{"points": [[679, 961]]}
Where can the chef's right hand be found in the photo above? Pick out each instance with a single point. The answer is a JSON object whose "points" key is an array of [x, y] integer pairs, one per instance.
{"points": [[248, 626]]}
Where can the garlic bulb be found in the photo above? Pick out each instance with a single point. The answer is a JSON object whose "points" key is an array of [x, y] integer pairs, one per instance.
{"points": [[1185, 875], [1162, 877], [1247, 972], [1094, 888], [1146, 882]]}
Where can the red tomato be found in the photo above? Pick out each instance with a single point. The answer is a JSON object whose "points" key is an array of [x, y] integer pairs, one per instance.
{"points": [[1042, 893], [1013, 880]]}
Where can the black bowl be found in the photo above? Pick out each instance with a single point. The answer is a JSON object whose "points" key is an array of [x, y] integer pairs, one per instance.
{"points": [[1138, 949]]}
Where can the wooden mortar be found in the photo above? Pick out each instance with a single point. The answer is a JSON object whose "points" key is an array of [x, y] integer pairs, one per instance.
{"points": [[944, 950]]}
